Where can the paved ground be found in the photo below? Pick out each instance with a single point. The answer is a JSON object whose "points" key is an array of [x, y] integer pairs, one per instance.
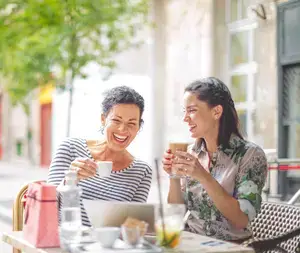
{"points": [[14, 175]]}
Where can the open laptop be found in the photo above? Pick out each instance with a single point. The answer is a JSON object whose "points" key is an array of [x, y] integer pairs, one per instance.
{"points": [[113, 214]]}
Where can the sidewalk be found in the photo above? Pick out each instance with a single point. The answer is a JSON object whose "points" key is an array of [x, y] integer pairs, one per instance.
{"points": [[12, 177]]}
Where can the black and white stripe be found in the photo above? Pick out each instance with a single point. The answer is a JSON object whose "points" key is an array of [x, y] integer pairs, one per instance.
{"points": [[130, 184]]}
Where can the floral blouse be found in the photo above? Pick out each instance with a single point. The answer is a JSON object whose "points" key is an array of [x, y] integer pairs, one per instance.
{"points": [[241, 169]]}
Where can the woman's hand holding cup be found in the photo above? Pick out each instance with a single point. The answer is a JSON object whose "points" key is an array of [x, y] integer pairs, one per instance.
{"points": [[167, 161], [85, 168], [169, 157]]}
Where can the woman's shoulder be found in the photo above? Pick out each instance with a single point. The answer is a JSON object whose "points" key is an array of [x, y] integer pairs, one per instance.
{"points": [[73, 145], [253, 154], [140, 164], [70, 141], [253, 149], [243, 152], [243, 146]]}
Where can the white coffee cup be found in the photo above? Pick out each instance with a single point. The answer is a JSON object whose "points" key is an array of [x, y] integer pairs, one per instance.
{"points": [[104, 168]]}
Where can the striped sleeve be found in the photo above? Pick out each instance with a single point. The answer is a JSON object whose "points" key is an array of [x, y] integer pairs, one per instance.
{"points": [[142, 192], [60, 163]]}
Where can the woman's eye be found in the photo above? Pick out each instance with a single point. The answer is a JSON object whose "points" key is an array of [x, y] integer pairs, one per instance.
{"points": [[115, 120], [132, 124]]}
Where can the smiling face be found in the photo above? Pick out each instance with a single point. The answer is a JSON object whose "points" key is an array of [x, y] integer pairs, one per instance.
{"points": [[121, 125], [200, 117]]}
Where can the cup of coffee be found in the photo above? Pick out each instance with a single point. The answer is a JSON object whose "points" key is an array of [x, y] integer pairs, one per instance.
{"points": [[104, 168], [177, 146]]}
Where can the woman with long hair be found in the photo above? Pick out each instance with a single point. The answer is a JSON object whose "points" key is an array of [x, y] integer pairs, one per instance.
{"points": [[224, 174]]}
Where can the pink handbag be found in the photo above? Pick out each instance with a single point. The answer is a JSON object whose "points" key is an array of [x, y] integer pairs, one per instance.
{"points": [[41, 216]]}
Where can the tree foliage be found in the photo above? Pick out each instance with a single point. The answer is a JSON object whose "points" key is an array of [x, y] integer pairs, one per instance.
{"points": [[40, 37]]}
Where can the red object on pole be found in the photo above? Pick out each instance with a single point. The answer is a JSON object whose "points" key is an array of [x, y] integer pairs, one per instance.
{"points": [[284, 167]]}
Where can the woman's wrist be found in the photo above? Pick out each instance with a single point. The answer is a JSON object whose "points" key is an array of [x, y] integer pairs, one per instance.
{"points": [[202, 176], [174, 179]]}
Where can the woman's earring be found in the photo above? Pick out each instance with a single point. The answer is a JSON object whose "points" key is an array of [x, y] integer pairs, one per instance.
{"points": [[102, 129]]}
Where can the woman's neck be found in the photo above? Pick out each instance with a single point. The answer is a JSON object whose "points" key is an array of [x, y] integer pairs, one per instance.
{"points": [[211, 145], [104, 153], [211, 141]]}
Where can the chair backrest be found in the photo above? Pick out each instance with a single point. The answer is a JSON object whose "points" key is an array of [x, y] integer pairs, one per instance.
{"points": [[276, 219], [18, 207]]}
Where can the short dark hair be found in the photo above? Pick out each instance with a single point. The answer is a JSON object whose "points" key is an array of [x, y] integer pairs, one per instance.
{"points": [[214, 92], [122, 95]]}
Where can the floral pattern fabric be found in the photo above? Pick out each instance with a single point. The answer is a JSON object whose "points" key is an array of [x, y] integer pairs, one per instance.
{"points": [[241, 169]]}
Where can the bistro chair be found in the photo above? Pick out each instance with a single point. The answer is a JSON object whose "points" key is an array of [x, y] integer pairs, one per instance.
{"points": [[276, 229]]}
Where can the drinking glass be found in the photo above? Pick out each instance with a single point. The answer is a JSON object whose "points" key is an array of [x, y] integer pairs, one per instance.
{"points": [[131, 235], [177, 146], [169, 224]]}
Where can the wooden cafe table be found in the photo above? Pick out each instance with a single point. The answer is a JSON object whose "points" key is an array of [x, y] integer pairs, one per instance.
{"points": [[189, 243]]}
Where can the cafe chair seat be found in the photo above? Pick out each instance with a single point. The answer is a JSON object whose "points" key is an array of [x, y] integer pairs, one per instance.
{"points": [[276, 229]]}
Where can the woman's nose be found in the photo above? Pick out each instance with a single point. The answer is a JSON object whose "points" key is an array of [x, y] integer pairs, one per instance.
{"points": [[185, 117], [123, 127]]}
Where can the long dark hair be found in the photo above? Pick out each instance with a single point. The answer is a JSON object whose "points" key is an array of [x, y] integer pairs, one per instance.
{"points": [[214, 92]]}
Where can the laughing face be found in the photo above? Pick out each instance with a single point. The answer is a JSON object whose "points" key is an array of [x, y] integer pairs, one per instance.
{"points": [[121, 125], [199, 116]]}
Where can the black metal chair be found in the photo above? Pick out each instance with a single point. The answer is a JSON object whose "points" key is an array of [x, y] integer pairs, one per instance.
{"points": [[276, 228]]}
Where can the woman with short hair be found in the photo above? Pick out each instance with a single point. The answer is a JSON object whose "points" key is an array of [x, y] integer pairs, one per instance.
{"points": [[130, 179]]}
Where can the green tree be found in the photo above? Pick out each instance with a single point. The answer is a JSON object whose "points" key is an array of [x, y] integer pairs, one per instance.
{"points": [[64, 37]]}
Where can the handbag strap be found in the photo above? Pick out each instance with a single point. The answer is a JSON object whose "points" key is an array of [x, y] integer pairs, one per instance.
{"points": [[30, 198]]}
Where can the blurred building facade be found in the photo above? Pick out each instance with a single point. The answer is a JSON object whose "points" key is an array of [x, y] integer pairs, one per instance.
{"points": [[234, 40], [19, 133], [224, 38]]}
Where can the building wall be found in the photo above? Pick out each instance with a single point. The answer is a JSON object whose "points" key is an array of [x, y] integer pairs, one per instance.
{"points": [[266, 93], [6, 127], [35, 125], [14, 124], [265, 55], [189, 56]]}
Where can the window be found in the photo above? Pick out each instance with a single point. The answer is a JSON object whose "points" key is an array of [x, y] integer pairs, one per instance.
{"points": [[238, 88], [238, 9], [239, 48], [241, 64]]}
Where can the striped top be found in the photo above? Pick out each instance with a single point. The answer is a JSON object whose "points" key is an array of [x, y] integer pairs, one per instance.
{"points": [[129, 184]]}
